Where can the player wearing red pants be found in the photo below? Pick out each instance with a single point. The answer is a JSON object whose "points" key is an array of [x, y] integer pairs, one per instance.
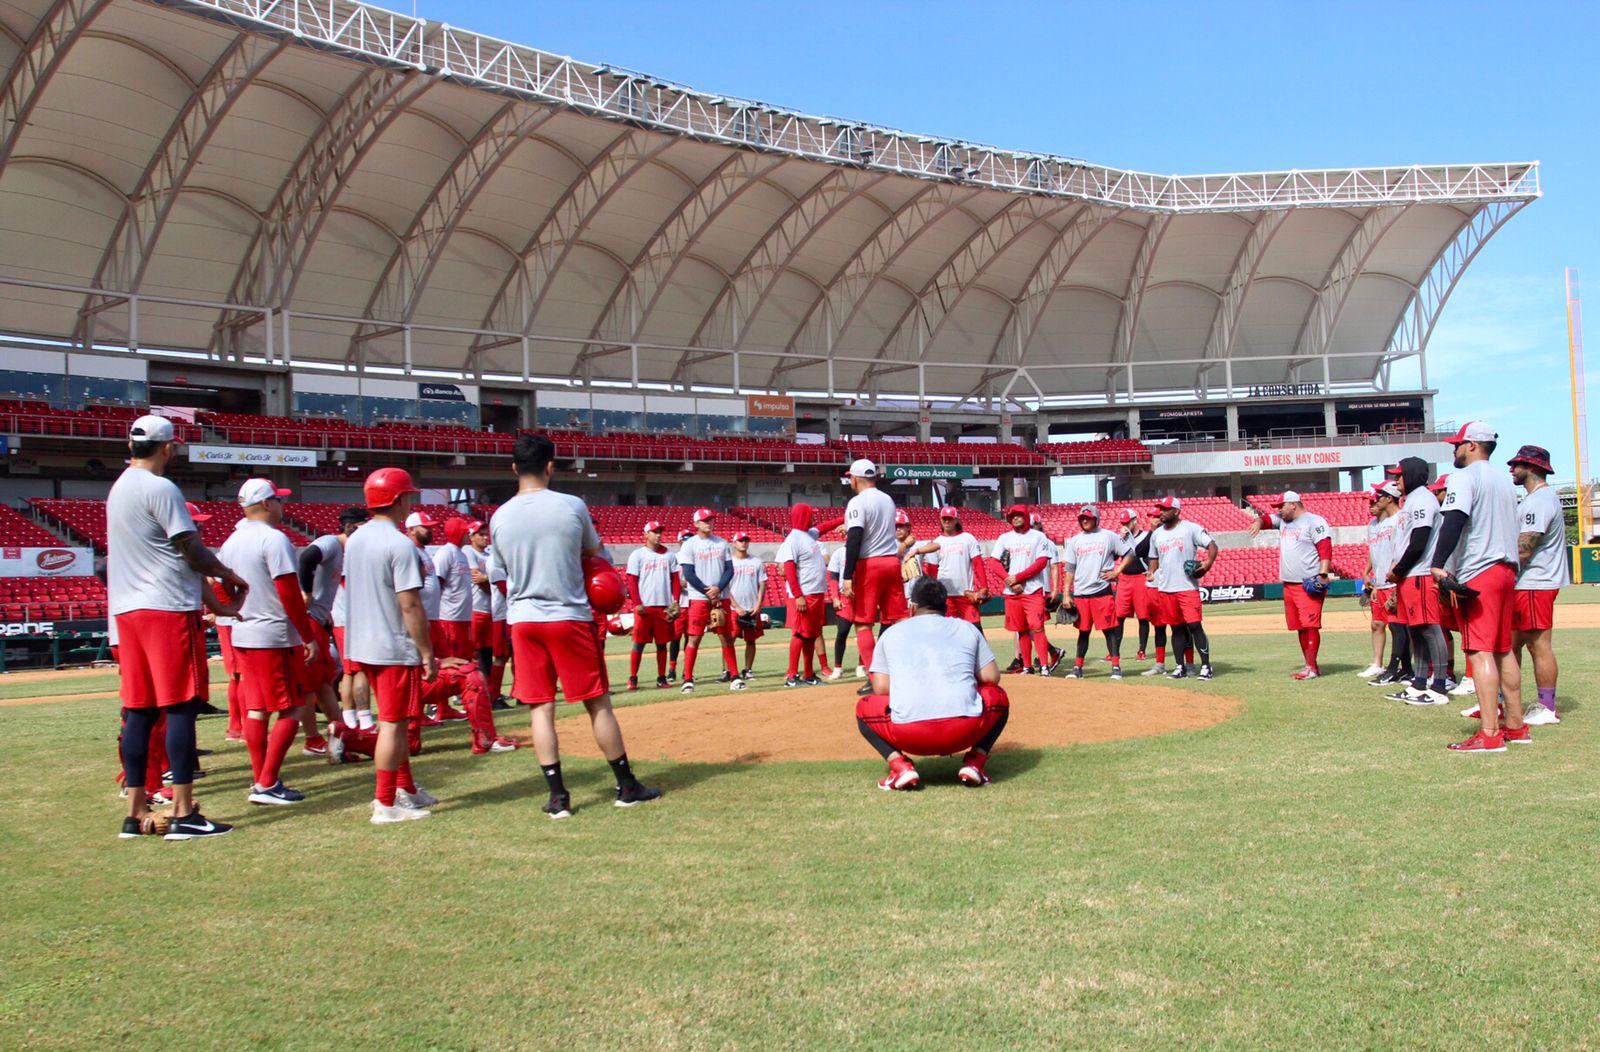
{"points": [[805, 584], [541, 538], [387, 632], [1091, 560], [1541, 573], [1133, 590], [706, 563], [746, 590], [1025, 552], [654, 586], [1305, 553], [455, 590], [956, 559], [1176, 545], [871, 579], [935, 692], [273, 642], [155, 569], [421, 530], [320, 570]]}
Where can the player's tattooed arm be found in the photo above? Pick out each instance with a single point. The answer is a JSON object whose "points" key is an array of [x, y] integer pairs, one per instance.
{"points": [[1526, 543], [204, 562]]}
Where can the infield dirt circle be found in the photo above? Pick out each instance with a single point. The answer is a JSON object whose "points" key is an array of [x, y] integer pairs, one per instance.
{"points": [[818, 723]]}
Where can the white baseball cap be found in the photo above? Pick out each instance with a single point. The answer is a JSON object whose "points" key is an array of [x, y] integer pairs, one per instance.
{"points": [[254, 491], [1475, 431], [704, 515], [416, 519], [151, 428], [1289, 497], [863, 469], [1387, 489]]}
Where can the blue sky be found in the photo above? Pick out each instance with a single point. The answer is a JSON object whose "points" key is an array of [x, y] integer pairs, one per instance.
{"points": [[1198, 88]]}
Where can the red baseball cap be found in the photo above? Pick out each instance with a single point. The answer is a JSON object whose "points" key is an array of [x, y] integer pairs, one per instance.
{"points": [[1474, 431], [704, 515], [1169, 504], [1016, 509], [901, 518], [1127, 515], [741, 536], [1393, 471], [417, 518], [195, 513], [653, 526], [949, 512]]}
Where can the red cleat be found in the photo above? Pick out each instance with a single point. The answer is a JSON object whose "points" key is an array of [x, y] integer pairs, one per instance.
{"points": [[902, 776], [233, 736], [972, 772], [1479, 743], [1523, 735], [429, 721], [1306, 673], [1141, 656], [317, 746], [445, 714]]}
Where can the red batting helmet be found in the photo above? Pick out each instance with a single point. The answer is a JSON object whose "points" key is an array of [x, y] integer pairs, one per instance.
{"points": [[1016, 509], [387, 485], [604, 585], [901, 517]]}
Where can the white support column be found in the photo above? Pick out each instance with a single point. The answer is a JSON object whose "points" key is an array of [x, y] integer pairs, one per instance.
{"points": [[267, 324], [1422, 366], [633, 363], [526, 360], [405, 341], [736, 389], [1227, 372], [133, 325], [1231, 412], [1330, 418], [830, 379], [288, 351]]}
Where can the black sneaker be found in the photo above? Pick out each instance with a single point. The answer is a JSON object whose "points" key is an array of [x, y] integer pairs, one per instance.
{"points": [[662, 681], [1016, 667], [279, 795], [130, 829], [1205, 672], [1038, 670], [637, 793], [672, 675], [1024, 671], [865, 689], [203, 752], [1383, 679], [633, 683], [1076, 672], [501, 704], [791, 681], [688, 687], [725, 677], [1181, 672], [205, 708], [811, 681], [1116, 671], [166, 776], [559, 806], [195, 826], [746, 674], [1056, 654]]}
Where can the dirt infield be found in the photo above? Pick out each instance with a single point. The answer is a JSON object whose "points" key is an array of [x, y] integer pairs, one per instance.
{"points": [[818, 723]]}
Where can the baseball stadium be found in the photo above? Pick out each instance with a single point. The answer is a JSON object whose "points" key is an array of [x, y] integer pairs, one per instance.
{"points": [[379, 399]]}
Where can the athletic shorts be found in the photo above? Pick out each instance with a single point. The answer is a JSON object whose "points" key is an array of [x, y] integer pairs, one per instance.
{"points": [[482, 632], [1175, 608], [843, 609], [458, 640], [650, 625], [502, 642], [1096, 611], [807, 623], [438, 639], [225, 644], [697, 618], [270, 678], [959, 606], [324, 668], [1381, 614], [748, 633], [880, 597], [1535, 609], [396, 690], [944, 737], [1300, 608], [1025, 613], [551, 654], [1486, 621], [1419, 601], [1449, 613], [162, 658], [1133, 597], [344, 656]]}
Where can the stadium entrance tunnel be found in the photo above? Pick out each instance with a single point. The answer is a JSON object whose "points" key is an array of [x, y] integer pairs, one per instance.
{"points": [[818, 723]]}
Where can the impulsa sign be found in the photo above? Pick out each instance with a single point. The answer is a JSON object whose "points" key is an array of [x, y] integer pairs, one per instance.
{"points": [[781, 406]]}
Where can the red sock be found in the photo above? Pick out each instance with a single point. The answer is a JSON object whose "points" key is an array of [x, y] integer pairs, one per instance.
{"points": [[403, 779], [235, 707], [1188, 655], [386, 781], [1313, 645], [633, 663], [1041, 647], [255, 739], [414, 735], [1161, 655], [661, 662], [819, 647], [865, 644], [730, 658], [155, 764], [796, 647], [282, 735], [1077, 662], [497, 679], [689, 654]]}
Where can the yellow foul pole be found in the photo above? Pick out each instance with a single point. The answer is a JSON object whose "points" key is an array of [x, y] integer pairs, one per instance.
{"points": [[1580, 421]]}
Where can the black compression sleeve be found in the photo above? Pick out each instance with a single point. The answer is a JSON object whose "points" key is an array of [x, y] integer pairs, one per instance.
{"points": [[727, 576], [1414, 549], [852, 551], [1452, 527], [692, 578], [310, 559]]}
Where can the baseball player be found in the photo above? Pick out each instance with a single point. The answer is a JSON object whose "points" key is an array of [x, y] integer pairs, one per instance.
{"points": [[155, 568], [274, 645], [1025, 552], [805, 580], [320, 570], [871, 577], [420, 528], [455, 591], [1305, 563], [1541, 572], [956, 559], [1476, 557], [1090, 561], [476, 553], [844, 616], [745, 592], [910, 559], [1417, 600], [1176, 547], [1386, 622], [655, 586], [935, 692], [1450, 616], [541, 537], [706, 563], [502, 636], [387, 631], [1133, 590], [355, 693], [679, 623]]}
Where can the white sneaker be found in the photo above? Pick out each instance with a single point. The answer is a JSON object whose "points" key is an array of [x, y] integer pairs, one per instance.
{"points": [[833, 674], [1470, 714], [1370, 671], [415, 801], [1539, 716], [861, 672], [382, 815], [1154, 670], [1426, 696], [1466, 688], [502, 746], [736, 684]]}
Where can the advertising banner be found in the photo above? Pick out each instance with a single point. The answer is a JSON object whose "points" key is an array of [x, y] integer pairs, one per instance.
{"points": [[929, 471], [1231, 593], [769, 405], [46, 562], [254, 455], [441, 392], [1306, 458]]}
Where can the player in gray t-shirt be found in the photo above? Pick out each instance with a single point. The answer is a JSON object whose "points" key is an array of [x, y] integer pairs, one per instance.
{"points": [[1542, 571]]}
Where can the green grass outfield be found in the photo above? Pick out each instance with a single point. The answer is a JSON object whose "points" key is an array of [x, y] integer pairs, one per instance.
{"points": [[1317, 872]]}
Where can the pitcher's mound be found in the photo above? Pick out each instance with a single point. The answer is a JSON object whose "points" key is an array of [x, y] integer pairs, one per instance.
{"points": [[818, 723]]}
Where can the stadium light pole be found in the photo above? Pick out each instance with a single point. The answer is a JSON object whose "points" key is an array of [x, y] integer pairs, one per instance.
{"points": [[1580, 402]]}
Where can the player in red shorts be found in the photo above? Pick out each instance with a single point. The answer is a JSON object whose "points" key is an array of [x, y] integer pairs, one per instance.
{"points": [[1416, 598], [1133, 590], [1025, 552], [746, 591], [386, 629], [706, 564], [455, 591], [655, 587], [1090, 561], [320, 569], [540, 537], [1305, 555], [935, 692], [1477, 553], [1383, 603], [805, 587], [476, 552], [844, 619], [1176, 566], [1541, 573], [502, 634], [156, 566], [872, 577], [956, 559], [680, 622]]}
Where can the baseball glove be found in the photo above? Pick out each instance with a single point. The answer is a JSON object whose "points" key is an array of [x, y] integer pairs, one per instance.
{"points": [[1005, 559], [1453, 591], [155, 825], [1195, 568], [719, 619], [1052, 603], [749, 620], [671, 611], [1364, 600], [909, 570], [1314, 585], [1066, 613]]}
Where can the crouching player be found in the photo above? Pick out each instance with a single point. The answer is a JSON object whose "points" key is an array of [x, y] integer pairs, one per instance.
{"points": [[935, 692]]}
